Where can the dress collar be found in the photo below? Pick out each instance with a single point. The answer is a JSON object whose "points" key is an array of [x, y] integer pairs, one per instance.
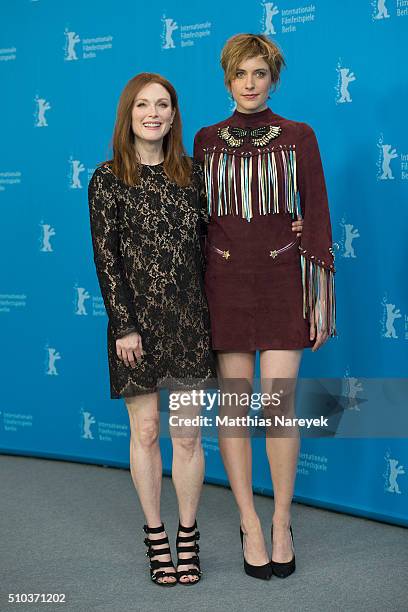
{"points": [[254, 119]]}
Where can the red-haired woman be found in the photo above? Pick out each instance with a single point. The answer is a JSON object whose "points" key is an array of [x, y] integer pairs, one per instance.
{"points": [[266, 290], [145, 216]]}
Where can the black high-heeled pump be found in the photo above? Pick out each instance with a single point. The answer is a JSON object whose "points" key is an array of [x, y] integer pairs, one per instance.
{"points": [[264, 572], [283, 570]]}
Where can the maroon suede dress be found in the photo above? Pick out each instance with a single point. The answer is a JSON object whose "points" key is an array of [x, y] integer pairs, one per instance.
{"points": [[264, 285]]}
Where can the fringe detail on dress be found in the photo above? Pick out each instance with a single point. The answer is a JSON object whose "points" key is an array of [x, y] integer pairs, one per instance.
{"points": [[228, 180], [319, 292]]}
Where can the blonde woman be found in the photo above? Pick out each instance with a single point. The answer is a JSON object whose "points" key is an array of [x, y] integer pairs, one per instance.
{"points": [[267, 290]]}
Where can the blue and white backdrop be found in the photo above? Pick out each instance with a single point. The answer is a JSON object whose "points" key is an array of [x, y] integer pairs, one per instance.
{"points": [[62, 67]]}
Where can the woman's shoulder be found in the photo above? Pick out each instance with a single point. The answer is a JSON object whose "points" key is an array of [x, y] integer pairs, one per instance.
{"points": [[209, 130], [103, 170], [102, 176]]}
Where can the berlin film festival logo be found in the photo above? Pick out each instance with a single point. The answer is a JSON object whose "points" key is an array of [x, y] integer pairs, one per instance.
{"points": [[352, 388], [386, 155], [47, 232], [76, 169], [52, 356], [379, 9], [71, 40], [390, 314], [392, 471], [270, 10], [350, 233], [41, 107], [188, 34], [81, 295], [169, 27], [87, 419], [345, 77]]}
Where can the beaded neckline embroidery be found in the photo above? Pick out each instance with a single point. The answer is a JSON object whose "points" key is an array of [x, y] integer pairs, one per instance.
{"points": [[259, 137]]}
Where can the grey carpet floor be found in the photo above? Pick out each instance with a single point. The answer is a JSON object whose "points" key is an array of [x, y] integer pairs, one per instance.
{"points": [[77, 529]]}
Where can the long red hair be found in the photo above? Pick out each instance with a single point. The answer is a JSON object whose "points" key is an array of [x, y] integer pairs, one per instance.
{"points": [[124, 164]]}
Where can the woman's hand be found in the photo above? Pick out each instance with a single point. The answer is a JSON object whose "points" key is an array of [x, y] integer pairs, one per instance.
{"points": [[321, 336], [297, 226], [129, 349]]}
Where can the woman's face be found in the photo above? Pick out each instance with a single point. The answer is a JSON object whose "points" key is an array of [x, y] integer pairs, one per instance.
{"points": [[152, 113], [251, 85]]}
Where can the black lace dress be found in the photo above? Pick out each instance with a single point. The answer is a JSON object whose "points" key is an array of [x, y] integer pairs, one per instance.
{"points": [[150, 268]]}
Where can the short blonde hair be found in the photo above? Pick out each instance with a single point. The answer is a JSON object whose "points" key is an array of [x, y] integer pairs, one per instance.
{"points": [[244, 46]]}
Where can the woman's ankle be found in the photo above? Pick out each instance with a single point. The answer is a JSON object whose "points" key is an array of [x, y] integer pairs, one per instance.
{"points": [[281, 519], [250, 521]]}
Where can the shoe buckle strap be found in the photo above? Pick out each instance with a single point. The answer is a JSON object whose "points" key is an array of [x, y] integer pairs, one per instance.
{"points": [[148, 529], [187, 529]]}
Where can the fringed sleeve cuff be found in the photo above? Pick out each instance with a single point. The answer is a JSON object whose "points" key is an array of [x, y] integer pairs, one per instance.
{"points": [[316, 252], [319, 297]]}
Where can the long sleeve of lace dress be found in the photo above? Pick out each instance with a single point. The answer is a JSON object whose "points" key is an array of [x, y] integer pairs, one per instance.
{"points": [[107, 258]]}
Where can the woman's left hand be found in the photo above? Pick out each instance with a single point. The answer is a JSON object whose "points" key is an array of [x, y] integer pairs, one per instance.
{"points": [[321, 337], [297, 226]]}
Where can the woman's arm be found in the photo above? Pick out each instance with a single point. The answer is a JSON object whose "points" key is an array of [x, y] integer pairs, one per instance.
{"points": [[105, 241], [317, 259]]}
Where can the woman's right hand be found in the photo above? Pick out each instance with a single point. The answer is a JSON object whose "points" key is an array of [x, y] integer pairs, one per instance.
{"points": [[129, 349]]}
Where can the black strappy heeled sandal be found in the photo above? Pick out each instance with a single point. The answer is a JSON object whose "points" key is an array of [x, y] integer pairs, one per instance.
{"points": [[155, 572], [193, 548]]}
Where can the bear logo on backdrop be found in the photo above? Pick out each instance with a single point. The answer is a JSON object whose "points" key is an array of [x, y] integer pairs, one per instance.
{"points": [[75, 171], [52, 356], [345, 77], [81, 294], [87, 419], [386, 155], [352, 387], [270, 10], [349, 234], [392, 471], [379, 9], [47, 232], [42, 106], [71, 41], [390, 315], [169, 26]]}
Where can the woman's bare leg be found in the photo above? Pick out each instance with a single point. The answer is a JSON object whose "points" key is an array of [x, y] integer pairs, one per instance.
{"points": [[187, 471], [282, 451], [146, 463], [235, 447]]}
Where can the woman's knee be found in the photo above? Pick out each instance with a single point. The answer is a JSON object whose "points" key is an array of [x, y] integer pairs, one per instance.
{"points": [[146, 433], [187, 445]]}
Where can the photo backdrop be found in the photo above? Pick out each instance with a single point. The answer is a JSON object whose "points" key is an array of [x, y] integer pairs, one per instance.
{"points": [[63, 66]]}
